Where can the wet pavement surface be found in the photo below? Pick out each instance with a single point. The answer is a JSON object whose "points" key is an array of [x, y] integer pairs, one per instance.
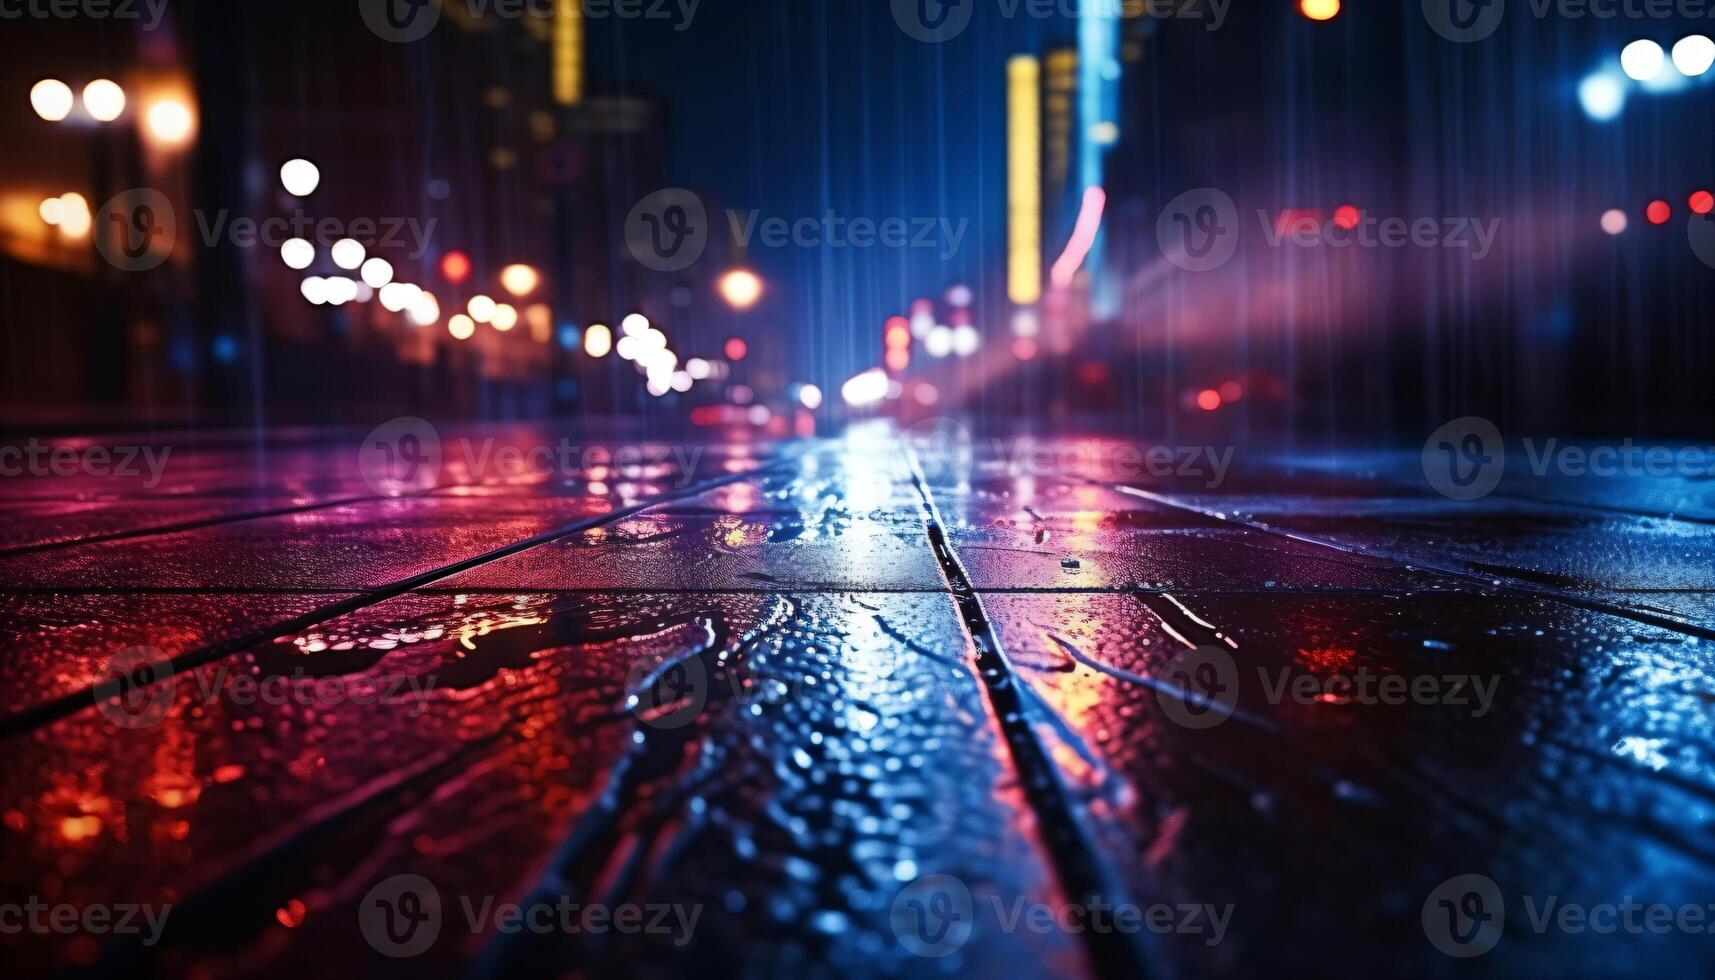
{"points": [[862, 706]]}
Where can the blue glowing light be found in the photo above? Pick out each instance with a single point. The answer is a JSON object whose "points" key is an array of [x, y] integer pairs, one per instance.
{"points": [[1602, 95]]}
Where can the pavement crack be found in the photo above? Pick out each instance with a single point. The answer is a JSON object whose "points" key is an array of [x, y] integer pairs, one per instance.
{"points": [[1083, 873]]}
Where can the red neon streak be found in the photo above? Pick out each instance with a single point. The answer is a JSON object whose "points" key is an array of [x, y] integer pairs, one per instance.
{"points": [[1083, 237]]}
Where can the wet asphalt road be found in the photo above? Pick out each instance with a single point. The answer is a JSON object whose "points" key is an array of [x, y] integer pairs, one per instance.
{"points": [[839, 708]]}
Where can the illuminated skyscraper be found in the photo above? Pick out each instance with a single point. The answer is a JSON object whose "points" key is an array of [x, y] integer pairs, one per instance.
{"points": [[1024, 180]]}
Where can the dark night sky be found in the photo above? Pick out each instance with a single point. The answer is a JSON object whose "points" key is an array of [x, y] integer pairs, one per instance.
{"points": [[794, 108]]}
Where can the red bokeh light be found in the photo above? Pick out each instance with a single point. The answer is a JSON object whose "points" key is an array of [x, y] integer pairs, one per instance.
{"points": [[1024, 349], [1702, 202], [898, 359], [1658, 212], [455, 267], [736, 349], [898, 333], [1093, 373], [1347, 216], [1208, 399], [1232, 391]]}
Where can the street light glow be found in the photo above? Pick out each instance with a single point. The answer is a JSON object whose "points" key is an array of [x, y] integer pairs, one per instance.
{"points": [[300, 177], [1602, 96], [104, 100], [75, 219], [425, 309], [339, 290], [481, 308], [1693, 55], [377, 272], [598, 340], [1642, 60], [741, 288], [867, 388], [347, 253], [297, 253], [396, 297], [1320, 9], [461, 327], [505, 317], [169, 121], [519, 279], [52, 99]]}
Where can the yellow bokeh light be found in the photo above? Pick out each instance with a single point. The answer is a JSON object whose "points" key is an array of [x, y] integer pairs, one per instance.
{"points": [[520, 280], [1320, 9]]}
